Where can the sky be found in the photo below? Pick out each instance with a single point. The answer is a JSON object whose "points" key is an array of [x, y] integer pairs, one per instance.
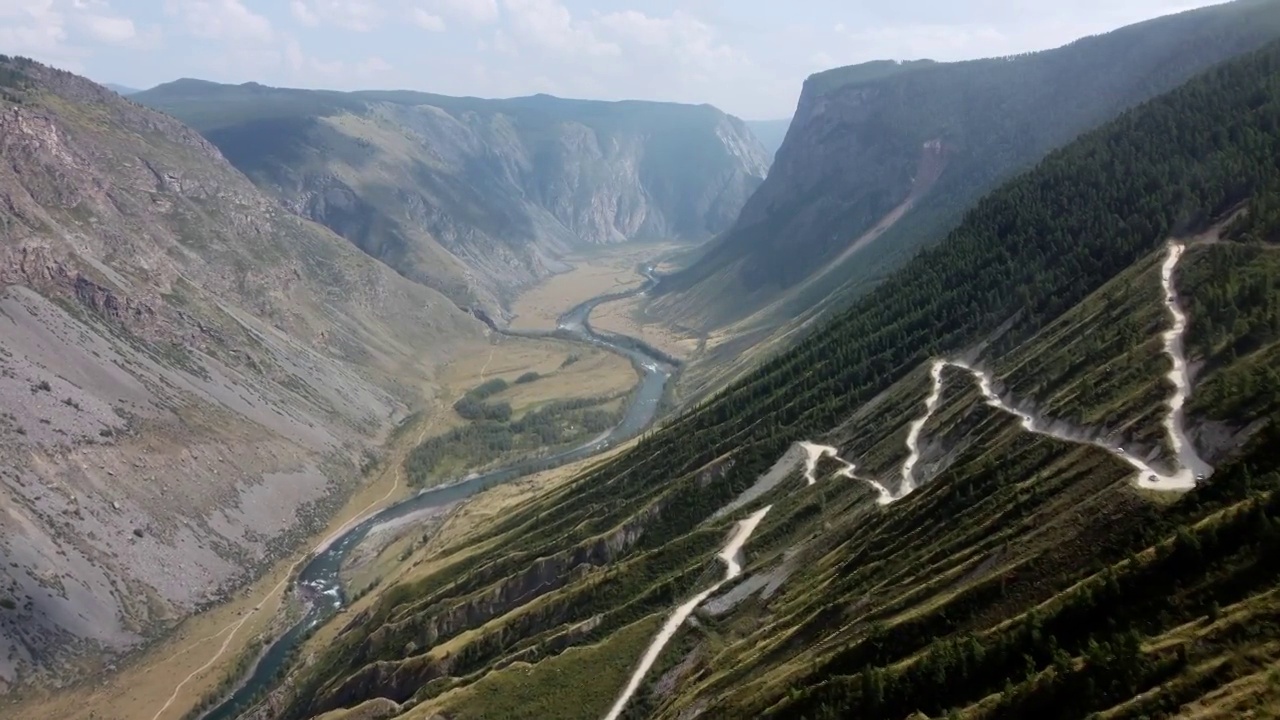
{"points": [[748, 57]]}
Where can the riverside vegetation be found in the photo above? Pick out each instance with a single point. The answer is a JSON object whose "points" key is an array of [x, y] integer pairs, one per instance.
{"points": [[1027, 576], [493, 435]]}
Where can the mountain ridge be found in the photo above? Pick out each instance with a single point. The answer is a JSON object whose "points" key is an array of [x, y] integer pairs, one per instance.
{"points": [[474, 197], [859, 135], [191, 376]]}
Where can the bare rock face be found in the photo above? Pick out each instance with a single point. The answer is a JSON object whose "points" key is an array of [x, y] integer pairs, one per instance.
{"points": [[882, 158], [477, 198], [190, 375]]}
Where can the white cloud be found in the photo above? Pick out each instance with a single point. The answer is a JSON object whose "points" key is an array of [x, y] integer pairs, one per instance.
{"points": [[924, 40], [480, 12], [303, 13], [109, 29], [680, 37], [306, 69], [31, 27], [372, 67], [549, 26], [65, 33], [220, 19], [427, 21], [38, 29], [357, 15]]}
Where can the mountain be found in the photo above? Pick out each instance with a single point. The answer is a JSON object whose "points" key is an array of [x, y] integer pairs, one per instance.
{"points": [[883, 158], [1031, 474], [191, 377], [770, 133], [478, 198], [121, 89]]}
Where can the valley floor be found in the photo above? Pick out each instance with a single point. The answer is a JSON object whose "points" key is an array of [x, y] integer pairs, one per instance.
{"points": [[608, 269], [201, 657]]}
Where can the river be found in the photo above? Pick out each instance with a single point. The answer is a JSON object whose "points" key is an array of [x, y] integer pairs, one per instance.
{"points": [[319, 578]]}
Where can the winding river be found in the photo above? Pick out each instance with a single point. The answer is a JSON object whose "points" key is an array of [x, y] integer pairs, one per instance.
{"points": [[319, 579]]}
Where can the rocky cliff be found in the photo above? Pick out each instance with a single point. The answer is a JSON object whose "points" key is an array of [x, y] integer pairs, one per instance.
{"points": [[477, 198], [883, 158], [770, 133], [190, 375]]}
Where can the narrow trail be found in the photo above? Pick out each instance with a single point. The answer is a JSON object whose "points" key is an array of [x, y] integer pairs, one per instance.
{"points": [[492, 349], [1191, 466], [814, 451], [731, 556], [234, 628], [913, 431], [1179, 374]]}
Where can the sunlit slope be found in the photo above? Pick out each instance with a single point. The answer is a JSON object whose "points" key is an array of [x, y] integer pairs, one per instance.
{"points": [[1053, 286]]}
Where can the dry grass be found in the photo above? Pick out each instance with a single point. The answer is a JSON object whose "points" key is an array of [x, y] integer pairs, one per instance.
{"points": [[629, 316], [608, 270], [596, 373], [376, 709]]}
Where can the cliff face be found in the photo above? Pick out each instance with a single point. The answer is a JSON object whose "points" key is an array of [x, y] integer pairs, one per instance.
{"points": [[885, 157], [478, 198], [190, 375], [770, 133]]}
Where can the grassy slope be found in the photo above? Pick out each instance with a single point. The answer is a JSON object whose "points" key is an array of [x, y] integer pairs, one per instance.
{"points": [[1007, 522]]}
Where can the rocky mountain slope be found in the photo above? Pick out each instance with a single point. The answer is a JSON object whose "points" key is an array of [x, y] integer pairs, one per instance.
{"points": [[190, 375], [883, 158], [770, 133], [478, 198], [1031, 475]]}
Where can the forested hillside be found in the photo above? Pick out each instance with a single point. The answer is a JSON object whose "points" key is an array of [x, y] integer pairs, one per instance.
{"points": [[1027, 577], [883, 159]]}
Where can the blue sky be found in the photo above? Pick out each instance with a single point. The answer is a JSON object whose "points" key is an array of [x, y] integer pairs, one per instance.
{"points": [[748, 57]]}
